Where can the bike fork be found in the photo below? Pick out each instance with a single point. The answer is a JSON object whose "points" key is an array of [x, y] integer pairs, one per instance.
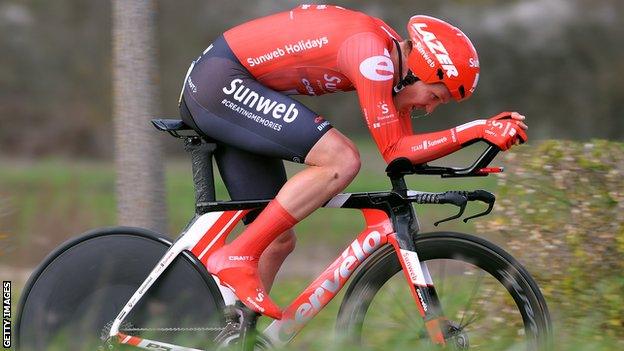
{"points": [[422, 289]]}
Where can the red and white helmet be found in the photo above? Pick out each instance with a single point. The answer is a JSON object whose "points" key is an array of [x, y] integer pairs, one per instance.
{"points": [[443, 53]]}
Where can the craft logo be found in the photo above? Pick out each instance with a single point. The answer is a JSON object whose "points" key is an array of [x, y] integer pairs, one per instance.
{"points": [[6, 314]]}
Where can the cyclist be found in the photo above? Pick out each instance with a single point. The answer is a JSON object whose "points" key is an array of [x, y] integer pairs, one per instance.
{"points": [[238, 93]]}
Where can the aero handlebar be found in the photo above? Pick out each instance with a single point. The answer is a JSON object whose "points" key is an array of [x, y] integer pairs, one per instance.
{"points": [[402, 166]]}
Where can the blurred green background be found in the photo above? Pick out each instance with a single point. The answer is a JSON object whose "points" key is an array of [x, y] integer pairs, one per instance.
{"points": [[560, 62]]}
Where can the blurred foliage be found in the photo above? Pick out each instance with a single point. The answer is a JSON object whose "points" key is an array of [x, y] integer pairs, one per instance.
{"points": [[558, 61], [562, 210]]}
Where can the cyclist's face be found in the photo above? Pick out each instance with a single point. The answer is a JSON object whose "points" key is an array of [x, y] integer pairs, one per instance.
{"points": [[421, 96]]}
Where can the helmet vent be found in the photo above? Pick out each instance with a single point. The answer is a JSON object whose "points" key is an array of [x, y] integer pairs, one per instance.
{"points": [[440, 74], [462, 91]]}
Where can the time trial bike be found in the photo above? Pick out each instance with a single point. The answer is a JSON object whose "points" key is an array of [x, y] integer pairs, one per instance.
{"points": [[121, 287]]}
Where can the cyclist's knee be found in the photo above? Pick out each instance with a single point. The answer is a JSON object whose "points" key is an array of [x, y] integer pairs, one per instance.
{"points": [[345, 166], [338, 155], [349, 163]]}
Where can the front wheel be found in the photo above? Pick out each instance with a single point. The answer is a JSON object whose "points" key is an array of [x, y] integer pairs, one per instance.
{"points": [[490, 300]]}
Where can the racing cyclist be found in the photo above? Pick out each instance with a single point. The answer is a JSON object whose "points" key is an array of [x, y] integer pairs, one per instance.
{"points": [[238, 93]]}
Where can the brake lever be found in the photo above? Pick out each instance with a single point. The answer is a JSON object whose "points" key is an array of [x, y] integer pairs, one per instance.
{"points": [[483, 196], [456, 199]]}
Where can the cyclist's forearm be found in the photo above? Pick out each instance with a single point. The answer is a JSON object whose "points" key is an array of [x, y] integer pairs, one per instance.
{"points": [[421, 148]]}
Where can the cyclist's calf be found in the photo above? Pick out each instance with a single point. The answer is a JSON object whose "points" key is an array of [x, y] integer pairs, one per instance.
{"points": [[284, 244], [274, 255]]}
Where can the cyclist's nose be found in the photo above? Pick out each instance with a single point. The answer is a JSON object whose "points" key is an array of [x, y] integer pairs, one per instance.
{"points": [[431, 106]]}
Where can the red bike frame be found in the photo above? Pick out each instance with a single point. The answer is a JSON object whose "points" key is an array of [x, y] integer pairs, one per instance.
{"points": [[390, 219], [208, 232]]}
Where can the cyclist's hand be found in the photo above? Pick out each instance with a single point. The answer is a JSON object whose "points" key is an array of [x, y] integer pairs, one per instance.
{"points": [[511, 115], [505, 130]]}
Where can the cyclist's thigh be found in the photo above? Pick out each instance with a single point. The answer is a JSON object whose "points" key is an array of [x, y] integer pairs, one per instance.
{"points": [[229, 105], [249, 176]]}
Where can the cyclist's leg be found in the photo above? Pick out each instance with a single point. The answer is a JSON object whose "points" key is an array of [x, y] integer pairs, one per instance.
{"points": [[235, 264], [226, 104], [306, 200], [334, 161], [237, 167], [273, 257]]}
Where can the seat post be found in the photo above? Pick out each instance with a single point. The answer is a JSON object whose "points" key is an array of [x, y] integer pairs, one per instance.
{"points": [[203, 178]]}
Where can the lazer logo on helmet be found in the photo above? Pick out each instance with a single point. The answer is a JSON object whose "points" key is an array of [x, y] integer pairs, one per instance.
{"points": [[436, 47], [256, 101]]}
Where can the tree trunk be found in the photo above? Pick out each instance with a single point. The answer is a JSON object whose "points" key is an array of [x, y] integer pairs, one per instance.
{"points": [[138, 155]]}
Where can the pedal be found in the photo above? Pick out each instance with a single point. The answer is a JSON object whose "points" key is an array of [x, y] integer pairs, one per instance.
{"points": [[240, 330]]}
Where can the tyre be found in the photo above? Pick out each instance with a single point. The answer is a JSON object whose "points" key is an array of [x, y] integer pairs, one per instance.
{"points": [[490, 300], [74, 295]]}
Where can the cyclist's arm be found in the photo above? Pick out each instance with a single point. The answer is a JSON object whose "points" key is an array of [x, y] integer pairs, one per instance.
{"points": [[365, 59], [421, 148]]}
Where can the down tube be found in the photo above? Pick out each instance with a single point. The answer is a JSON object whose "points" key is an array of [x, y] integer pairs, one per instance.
{"points": [[322, 290]]}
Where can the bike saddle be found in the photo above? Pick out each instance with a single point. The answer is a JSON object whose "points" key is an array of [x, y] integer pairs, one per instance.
{"points": [[170, 125], [174, 127]]}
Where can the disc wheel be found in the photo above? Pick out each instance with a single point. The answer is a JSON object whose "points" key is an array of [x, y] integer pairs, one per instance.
{"points": [[79, 289]]}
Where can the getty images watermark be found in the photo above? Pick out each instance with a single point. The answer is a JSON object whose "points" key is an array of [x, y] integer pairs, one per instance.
{"points": [[6, 314]]}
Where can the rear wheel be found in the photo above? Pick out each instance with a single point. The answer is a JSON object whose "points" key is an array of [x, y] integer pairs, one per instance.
{"points": [[80, 288], [490, 300]]}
